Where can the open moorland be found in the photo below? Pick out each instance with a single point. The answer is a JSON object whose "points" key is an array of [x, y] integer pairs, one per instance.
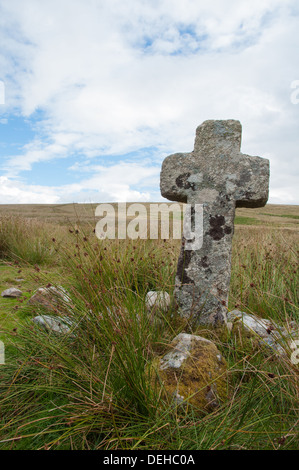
{"points": [[92, 388], [278, 216]]}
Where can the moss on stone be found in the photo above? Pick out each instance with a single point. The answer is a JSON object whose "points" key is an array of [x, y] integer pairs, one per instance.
{"points": [[201, 379]]}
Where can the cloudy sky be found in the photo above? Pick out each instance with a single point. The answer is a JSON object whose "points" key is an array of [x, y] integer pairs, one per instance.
{"points": [[98, 92]]}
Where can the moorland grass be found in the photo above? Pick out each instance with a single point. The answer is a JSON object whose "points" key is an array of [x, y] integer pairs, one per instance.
{"points": [[27, 240], [92, 389]]}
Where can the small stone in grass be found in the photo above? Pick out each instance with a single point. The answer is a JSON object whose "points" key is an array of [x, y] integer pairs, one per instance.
{"points": [[12, 293], [157, 299]]}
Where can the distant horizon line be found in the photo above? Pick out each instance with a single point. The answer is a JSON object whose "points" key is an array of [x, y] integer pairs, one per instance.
{"points": [[118, 202]]}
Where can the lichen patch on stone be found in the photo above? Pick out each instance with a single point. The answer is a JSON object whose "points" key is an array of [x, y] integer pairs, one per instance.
{"points": [[193, 371]]}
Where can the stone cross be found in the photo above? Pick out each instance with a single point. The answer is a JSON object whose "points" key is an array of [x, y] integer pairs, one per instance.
{"points": [[218, 176]]}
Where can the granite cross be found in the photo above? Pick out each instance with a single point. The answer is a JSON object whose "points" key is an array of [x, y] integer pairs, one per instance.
{"points": [[218, 176]]}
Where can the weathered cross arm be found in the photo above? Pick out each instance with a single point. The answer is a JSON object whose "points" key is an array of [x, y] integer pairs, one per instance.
{"points": [[252, 188], [175, 173]]}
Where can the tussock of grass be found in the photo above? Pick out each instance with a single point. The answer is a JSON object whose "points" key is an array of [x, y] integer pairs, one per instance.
{"points": [[27, 240], [92, 389], [264, 276]]}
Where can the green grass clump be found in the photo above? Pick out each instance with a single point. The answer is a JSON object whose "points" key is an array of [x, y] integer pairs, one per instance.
{"points": [[27, 240], [264, 276]]}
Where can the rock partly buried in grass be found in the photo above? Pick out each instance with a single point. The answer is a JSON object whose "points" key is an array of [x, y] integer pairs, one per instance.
{"points": [[12, 293], [50, 323], [50, 297], [193, 371], [157, 300], [268, 332]]}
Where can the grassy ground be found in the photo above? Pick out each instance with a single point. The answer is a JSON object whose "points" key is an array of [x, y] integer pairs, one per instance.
{"points": [[275, 216], [92, 389]]}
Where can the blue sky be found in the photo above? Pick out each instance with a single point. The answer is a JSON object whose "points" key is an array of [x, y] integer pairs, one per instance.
{"points": [[98, 93]]}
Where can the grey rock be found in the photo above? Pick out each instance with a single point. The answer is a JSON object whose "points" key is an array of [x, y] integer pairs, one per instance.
{"points": [[219, 177], [58, 325], [275, 336], [181, 351], [12, 293], [260, 326], [193, 371], [157, 300], [58, 291], [50, 297]]}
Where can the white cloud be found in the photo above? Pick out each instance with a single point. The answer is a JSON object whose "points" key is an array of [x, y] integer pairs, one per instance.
{"points": [[116, 183], [283, 194], [34, 152], [14, 192], [112, 77]]}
